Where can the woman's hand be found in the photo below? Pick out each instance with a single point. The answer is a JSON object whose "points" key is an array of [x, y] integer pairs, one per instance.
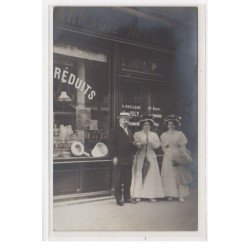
{"points": [[137, 143], [145, 143]]}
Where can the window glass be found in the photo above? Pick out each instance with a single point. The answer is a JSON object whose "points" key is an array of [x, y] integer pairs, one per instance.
{"points": [[132, 102], [81, 105]]}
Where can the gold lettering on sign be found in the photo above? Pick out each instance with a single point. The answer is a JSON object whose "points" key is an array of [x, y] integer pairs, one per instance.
{"points": [[82, 19], [92, 22], [72, 16]]}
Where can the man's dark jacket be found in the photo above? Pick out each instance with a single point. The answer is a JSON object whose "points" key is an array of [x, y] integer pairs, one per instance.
{"points": [[121, 146]]}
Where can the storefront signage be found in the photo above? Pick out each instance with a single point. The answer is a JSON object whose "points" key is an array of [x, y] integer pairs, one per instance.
{"points": [[114, 23], [156, 113], [133, 110], [129, 106], [69, 78], [154, 109]]}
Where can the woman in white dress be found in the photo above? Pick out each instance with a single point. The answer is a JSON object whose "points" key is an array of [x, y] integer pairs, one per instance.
{"points": [[146, 179], [175, 176]]}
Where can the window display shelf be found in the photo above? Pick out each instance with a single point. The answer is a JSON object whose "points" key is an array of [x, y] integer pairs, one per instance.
{"points": [[87, 159], [99, 108], [61, 160], [64, 113]]}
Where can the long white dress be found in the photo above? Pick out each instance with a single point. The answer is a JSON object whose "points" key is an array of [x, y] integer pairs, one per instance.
{"points": [[152, 187], [175, 180]]}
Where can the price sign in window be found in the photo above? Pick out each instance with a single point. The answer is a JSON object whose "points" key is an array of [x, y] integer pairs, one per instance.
{"points": [[156, 103], [138, 98]]}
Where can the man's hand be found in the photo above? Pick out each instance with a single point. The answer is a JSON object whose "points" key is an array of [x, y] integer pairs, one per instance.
{"points": [[115, 161], [137, 143]]}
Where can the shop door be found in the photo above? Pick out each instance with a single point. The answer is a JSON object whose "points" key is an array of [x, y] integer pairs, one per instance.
{"points": [[140, 97]]}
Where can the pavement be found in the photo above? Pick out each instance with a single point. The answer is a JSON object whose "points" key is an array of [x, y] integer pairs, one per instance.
{"points": [[105, 215]]}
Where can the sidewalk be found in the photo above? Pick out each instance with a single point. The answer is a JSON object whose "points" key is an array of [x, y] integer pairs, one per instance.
{"points": [[105, 215]]}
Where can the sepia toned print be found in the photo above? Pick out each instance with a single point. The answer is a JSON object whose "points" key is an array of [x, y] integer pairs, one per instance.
{"points": [[125, 119]]}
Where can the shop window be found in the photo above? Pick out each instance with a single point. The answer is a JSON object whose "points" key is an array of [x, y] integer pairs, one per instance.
{"points": [[80, 102]]}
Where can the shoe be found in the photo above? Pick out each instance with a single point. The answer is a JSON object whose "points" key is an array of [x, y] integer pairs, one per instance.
{"points": [[170, 198], [120, 203], [181, 199], [138, 199], [153, 200], [130, 201]]}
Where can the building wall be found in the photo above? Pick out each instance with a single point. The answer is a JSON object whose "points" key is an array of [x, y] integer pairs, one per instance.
{"points": [[184, 86]]}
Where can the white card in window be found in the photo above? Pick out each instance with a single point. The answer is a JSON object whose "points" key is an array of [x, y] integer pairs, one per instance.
{"points": [[94, 125], [83, 118], [69, 130]]}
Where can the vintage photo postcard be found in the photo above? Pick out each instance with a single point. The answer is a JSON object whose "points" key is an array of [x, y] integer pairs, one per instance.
{"points": [[124, 121]]}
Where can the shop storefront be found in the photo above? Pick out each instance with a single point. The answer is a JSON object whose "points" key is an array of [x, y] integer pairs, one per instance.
{"points": [[105, 60]]}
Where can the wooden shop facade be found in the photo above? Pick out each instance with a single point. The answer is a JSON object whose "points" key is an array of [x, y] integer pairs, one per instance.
{"points": [[107, 60]]}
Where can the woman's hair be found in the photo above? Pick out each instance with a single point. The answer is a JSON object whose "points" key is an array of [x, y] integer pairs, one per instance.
{"points": [[146, 118], [176, 124], [144, 121], [173, 118]]}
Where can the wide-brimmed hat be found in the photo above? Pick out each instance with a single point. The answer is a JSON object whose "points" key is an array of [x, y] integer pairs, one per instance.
{"points": [[99, 150], [173, 118], [147, 118], [77, 149], [124, 115]]}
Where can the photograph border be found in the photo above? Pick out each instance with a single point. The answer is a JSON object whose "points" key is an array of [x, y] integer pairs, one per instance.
{"points": [[48, 233]]}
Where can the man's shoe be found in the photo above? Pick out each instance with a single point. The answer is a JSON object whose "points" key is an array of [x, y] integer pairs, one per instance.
{"points": [[130, 201], [120, 203]]}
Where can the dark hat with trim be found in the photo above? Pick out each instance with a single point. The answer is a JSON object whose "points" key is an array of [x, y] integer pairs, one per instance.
{"points": [[173, 118], [147, 118]]}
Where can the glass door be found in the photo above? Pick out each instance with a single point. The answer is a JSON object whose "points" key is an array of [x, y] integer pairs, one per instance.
{"points": [[138, 97]]}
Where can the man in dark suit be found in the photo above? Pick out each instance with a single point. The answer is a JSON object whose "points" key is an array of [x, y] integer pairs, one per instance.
{"points": [[122, 151]]}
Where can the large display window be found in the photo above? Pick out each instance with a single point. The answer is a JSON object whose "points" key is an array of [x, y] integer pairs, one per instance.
{"points": [[81, 103]]}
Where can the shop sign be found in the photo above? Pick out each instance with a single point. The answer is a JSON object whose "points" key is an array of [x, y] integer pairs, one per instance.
{"points": [[113, 23], [154, 109], [69, 78], [133, 110]]}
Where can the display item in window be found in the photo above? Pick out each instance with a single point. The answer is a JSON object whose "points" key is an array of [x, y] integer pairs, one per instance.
{"points": [[69, 130], [99, 150], [64, 97], [77, 149], [62, 132]]}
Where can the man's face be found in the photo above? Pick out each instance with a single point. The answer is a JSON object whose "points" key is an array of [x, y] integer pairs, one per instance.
{"points": [[124, 122]]}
